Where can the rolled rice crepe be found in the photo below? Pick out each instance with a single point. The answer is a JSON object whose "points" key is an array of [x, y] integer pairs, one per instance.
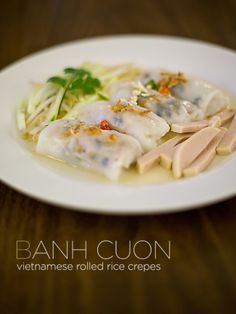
{"points": [[78, 143], [145, 126], [189, 99], [204, 96]]}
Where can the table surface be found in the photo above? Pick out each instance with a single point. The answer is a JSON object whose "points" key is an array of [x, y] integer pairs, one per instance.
{"points": [[200, 277]]}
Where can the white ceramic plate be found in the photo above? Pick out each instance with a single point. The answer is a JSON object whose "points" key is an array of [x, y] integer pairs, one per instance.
{"points": [[22, 171]]}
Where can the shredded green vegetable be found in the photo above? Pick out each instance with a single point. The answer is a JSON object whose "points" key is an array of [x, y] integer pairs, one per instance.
{"points": [[62, 94]]}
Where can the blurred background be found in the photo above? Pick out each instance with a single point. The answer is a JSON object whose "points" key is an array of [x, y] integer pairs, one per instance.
{"points": [[27, 26], [201, 276]]}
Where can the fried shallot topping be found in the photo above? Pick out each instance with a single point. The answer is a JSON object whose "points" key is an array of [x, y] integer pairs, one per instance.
{"points": [[169, 79], [111, 138], [92, 130], [75, 129], [128, 107]]}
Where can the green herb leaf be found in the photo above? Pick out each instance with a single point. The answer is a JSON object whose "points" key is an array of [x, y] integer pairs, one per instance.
{"points": [[78, 80], [57, 80], [77, 84], [76, 71], [152, 84], [87, 85], [90, 85], [96, 82]]}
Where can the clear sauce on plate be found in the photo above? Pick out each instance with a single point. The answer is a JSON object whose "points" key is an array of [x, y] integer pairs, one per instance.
{"points": [[156, 175]]}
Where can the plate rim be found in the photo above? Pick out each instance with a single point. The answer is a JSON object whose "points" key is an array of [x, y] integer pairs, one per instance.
{"points": [[97, 209], [116, 36]]}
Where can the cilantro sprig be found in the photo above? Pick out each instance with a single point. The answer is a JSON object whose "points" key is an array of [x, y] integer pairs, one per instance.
{"points": [[75, 79]]}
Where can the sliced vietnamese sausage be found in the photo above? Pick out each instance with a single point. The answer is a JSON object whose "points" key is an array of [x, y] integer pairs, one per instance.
{"points": [[228, 143], [146, 161], [206, 157], [221, 118], [188, 127], [166, 158], [191, 149]]}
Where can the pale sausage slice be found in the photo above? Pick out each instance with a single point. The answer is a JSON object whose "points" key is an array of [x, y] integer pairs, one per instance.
{"points": [[205, 158], [191, 149], [221, 118], [216, 121], [166, 158], [146, 161], [228, 143], [188, 127]]}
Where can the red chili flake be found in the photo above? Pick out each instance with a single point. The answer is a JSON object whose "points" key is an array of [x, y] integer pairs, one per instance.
{"points": [[164, 90], [104, 125]]}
